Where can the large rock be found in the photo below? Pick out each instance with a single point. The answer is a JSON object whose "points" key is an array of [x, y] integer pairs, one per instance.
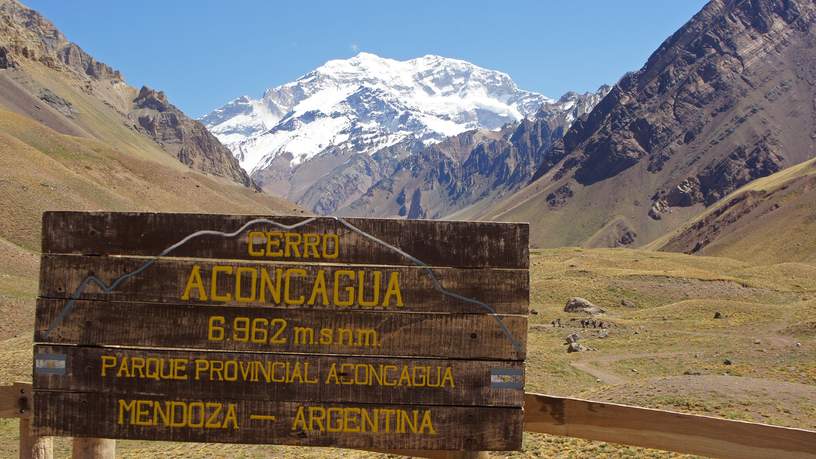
{"points": [[6, 59], [575, 347], [578, 304]]}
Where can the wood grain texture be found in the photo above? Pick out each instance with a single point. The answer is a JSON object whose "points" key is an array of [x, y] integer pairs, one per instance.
{"points": [[455, 336], [281, 377], [649, 428], [436, 243], [16, 401], [326, 334], [456, 428], [166, 280]]}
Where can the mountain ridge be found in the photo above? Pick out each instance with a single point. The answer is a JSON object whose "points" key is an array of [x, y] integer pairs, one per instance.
{"points": [[473, 168], [28, 37], [431, 97], [331, 139], [727, 99]]}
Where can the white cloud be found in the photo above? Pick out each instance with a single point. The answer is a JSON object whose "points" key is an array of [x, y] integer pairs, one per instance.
{"points": [[354, 47]]}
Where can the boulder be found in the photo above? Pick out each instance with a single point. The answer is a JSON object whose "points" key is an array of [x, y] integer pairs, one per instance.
{"points": [[574, 347], [573, 338], [628, 304], [578, 304], [6, 59]]}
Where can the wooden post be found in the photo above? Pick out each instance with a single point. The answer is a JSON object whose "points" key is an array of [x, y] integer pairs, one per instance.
{"points": [[468, 455], [16, 401], [432, 454], [93, 448], [32, 446]]}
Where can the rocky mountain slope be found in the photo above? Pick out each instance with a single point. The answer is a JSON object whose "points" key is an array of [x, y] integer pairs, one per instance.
{"points": [[338, 133], [476, 167], [770, 220], [74, 136], [727, 99], [33, 51]]}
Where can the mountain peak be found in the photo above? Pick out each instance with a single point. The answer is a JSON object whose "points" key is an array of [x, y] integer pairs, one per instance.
{"points": [[366, 56], [368, 102], [362, 58], [26, 34]]}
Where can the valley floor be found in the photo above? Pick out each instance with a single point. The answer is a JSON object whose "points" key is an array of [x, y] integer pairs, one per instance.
{"points": [[664, 348]]}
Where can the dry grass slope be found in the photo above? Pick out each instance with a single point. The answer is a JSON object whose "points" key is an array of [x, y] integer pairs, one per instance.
{"points": [[41, 170]]}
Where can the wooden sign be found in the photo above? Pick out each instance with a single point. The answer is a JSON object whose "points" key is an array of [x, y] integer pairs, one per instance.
{"points": [[362, 333]]}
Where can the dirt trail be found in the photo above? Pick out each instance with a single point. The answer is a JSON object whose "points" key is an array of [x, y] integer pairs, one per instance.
{"points": [[589, 365], [605, 376]]}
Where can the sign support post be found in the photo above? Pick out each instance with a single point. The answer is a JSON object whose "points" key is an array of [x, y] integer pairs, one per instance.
{"points": [[33, 446], [93, 448]]}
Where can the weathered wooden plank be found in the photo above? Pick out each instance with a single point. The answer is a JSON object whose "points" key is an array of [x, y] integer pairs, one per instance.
{"points": [[15, 401], [684, 433], [287, 285], [374, 333], [436, 243], [367, 322], [294, 423], [281, 377]]}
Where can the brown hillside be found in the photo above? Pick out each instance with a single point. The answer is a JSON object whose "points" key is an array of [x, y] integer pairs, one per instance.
{"points": [[41, 169], [74, 136], [52, 80], [770, 220]]}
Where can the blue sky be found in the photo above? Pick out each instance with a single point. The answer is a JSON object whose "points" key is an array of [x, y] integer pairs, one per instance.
{"points": [[204, 53]]}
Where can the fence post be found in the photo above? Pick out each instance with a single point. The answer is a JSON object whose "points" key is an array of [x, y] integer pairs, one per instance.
{"points": [[93, 448], [32, 446], [18, 402]]}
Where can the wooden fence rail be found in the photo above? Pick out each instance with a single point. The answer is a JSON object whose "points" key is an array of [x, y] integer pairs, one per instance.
{"points": [[666, 430], [609, 422]]}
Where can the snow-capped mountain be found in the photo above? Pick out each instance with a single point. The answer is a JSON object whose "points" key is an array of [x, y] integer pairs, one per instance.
{"points": [[325, 138], [367, 103]]}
